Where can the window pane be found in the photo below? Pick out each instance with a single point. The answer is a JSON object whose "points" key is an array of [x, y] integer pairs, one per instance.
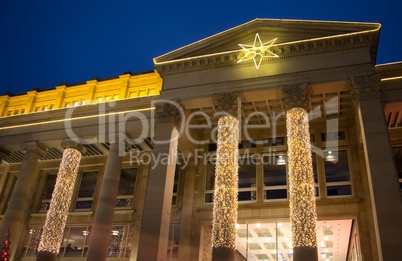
{"points": [[88, 184], [32, 242], [276, 194], [339, 190], [87, 190], [127, 182], [274, 170], [176, 178], [75, 242], [49, 187], [247, 173], [210, 176], [120, 241], [336, 166], [314, 161], [398, 160]]}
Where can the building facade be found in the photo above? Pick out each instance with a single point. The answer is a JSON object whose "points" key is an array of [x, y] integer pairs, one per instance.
{"points": [[144, 146]]}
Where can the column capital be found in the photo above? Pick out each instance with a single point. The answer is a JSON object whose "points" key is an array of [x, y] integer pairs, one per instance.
{"points": [[365, 87], [296, 96], [227, 102], [69, 143], [167, 111], [33, 146]]}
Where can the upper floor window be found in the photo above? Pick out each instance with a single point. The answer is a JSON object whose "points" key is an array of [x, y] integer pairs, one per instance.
{"points": [[275, 181], [247, 179], [398, 163], [47, 192], [173, 242], [125, 192], [337, 176], [86, 190], [176, 184]]}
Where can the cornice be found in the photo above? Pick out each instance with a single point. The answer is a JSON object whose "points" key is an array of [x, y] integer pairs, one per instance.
{"points": [[391, 70], [285, 51]]}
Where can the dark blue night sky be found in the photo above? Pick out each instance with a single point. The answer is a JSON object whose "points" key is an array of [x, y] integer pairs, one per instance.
{"points": [[45, 43]]}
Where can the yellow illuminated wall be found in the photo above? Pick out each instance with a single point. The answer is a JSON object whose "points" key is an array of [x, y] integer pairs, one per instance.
{"points": [[122, 87]]}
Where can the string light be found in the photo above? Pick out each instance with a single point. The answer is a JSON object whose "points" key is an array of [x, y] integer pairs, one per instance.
{"points": [[226, 182], [60, 203], [303, 214]]}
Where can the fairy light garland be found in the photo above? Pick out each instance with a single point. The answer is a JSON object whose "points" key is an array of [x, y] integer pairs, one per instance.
{"points": [[56, 216], [303, 213], [226, 183]]}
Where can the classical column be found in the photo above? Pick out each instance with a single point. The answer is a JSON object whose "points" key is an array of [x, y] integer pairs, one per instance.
{"points": [[224, 216], [383, 182], [187, 218], [16, 214], [303, 215], [154, 231], [102, 225], [56, 216]]}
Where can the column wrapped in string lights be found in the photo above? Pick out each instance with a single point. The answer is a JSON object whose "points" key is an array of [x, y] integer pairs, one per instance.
{"points": [[56, 216], [303, 215], [226, 180]]}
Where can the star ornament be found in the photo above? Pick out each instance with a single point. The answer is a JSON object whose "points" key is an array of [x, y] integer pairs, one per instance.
{"points": [[257, 51]]}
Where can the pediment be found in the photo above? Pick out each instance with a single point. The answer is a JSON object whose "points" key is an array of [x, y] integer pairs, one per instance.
{"points": [[292, 35]]}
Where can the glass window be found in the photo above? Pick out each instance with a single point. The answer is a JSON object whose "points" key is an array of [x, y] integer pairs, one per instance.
{"points": [[75, 242], [47, 192], [125, 192], [398, 163], [275, 182], [10, 192], [173, 243], [87, 190], [277, 141], [337, 176], [315, 172], [120, 241], [247, 179], [210, 181], [176, 184], [31, 242]]}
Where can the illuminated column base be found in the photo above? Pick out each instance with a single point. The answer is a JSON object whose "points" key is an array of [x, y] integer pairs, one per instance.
{"points": [[225, 194], [223, 254], [305, 253], [46, 256], [56, 216]]}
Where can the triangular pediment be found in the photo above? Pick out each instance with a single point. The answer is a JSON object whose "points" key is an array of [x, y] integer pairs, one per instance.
{"points": [[289, 33]]}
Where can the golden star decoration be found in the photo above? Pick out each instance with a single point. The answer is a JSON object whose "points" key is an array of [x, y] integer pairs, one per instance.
{"points": [[257, 51]]}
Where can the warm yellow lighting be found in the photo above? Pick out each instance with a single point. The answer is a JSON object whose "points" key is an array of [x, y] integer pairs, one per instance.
{"points": [[226, 183], [391, 78], [257, 51], [76, 118], [56, 216], [303, 214]]}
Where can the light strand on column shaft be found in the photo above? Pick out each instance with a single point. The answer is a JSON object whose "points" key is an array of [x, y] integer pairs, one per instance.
{"points": [[226, 183], [303, 215], [56, 216]]}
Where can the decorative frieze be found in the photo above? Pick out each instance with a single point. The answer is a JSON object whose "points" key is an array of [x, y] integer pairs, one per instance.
{"points": [[296, 96], [365, 87], [285, 50]]}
